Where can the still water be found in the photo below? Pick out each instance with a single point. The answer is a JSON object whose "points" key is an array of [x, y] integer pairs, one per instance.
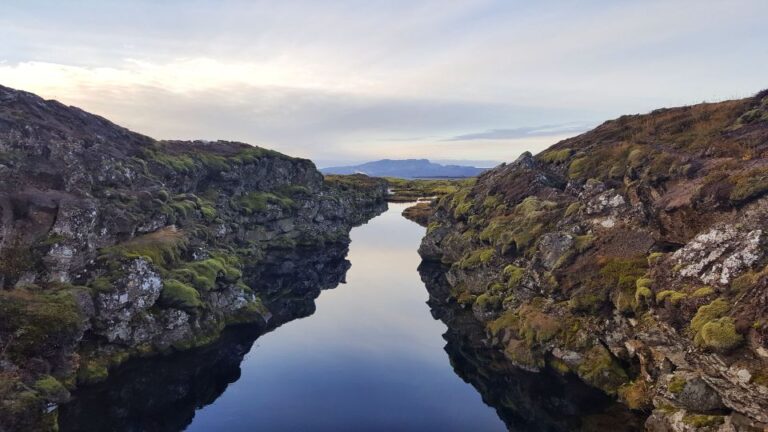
{"points": [[370, 358]]}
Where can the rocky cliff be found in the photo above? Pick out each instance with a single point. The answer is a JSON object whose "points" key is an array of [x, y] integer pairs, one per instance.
{"points": [[633, 257], [114, 245]]}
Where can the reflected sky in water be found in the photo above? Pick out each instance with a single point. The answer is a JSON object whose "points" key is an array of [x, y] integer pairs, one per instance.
{"points": [[371, 358]]}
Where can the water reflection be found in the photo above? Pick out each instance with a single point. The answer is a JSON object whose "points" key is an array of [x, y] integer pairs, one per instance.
{"points": [[525, 401]]}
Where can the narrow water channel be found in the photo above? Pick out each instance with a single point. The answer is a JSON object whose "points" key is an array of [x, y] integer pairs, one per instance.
{"points": [[370, 358], [367, 355]]}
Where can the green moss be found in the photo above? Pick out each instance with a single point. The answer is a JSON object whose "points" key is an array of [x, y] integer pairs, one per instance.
{"points": [[572, 209], [537, 326], [204, 274], [670, 296], [643, 295], [520, 353], [555, 156], [208, 212], [702, 420], [749, 185], [476, 258], [162, 247], [703, 292], [50, 388], [601, 370], [654, 257], [677, 384], [587, 302], [101, 284], [180, 295], [91, 372], [583, 242], [40, 322], [254, 202], [514, 275], [707, 313], [719, 335], [578, 167], [644, 283]]}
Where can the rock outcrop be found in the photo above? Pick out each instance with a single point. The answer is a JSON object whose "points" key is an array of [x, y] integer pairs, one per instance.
{"points": [[114, 245], [633, 257]]}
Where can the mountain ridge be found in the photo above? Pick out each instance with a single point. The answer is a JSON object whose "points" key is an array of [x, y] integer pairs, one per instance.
{"points": [[406, 168]]}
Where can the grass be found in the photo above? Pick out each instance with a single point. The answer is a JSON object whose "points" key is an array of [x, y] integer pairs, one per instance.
{"points": [[162, 247]]}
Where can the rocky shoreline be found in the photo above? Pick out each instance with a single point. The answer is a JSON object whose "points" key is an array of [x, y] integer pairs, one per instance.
{"points": [[632, 257], [114, 245]]}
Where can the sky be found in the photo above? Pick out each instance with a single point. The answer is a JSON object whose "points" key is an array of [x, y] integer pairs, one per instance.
{"points": [[343, 81]]}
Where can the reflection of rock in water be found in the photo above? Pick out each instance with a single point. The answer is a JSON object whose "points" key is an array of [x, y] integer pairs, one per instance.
{"points": [[162, 394], [525, 401]]}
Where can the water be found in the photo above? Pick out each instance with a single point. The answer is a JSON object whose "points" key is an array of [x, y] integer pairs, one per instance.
{"points": [[371, 357]]}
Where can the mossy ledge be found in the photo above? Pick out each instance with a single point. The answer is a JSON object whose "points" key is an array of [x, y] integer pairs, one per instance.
{"points": [[115, 245], [627, 252]]}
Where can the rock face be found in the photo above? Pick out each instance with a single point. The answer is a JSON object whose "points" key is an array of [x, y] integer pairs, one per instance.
{"points": [[114, 245], [632, 257]]}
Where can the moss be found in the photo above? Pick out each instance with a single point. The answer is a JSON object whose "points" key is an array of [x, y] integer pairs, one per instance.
{"points": [[578, 167], [41, 322], [677, 384], [537, 326], [520, 353], [583, 242], [601, 370], [204, 274], [719, 335], [487, 302], [91, 372], [587, 302], [644, 283], [709, 312], [702, 420], [180, 295], [162, 247], [507, 320], [208, 212], [655, 257], [670, 296], [432, 227], [559, 366], [703, 292], [555, 156], [514, 275], [643, 295], [101, 284], [572, 209], [476, 258], [636, 395], [50, 388], [254, 202], [749, 185]]}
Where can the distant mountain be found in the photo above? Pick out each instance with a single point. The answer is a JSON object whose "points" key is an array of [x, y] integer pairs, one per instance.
{"points": [[406, 168]]}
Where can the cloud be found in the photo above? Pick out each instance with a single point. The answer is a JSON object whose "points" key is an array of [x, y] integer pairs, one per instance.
{"points": [[524, 132], [346, 80]]}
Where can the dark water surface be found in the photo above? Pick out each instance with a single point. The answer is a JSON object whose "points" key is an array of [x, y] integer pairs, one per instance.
{"points": [[370, 358]]}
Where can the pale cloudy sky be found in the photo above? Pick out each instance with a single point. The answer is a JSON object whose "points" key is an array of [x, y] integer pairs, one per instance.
{"points": [[353, 80]]}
